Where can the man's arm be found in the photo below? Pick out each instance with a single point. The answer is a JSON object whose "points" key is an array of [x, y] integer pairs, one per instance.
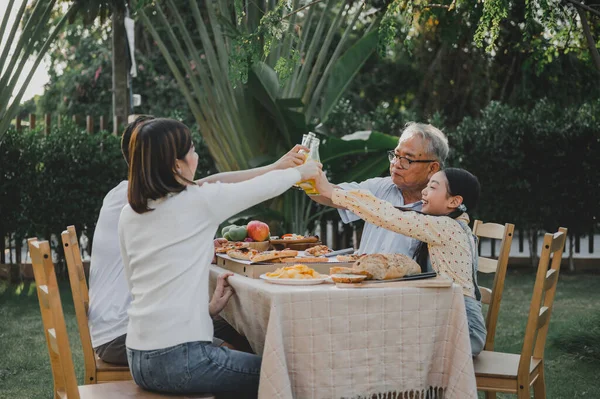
{"points": [[292, 159]]}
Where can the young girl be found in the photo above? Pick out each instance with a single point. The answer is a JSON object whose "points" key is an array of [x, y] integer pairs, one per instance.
{"points": [[166, 237], [441, 227]]}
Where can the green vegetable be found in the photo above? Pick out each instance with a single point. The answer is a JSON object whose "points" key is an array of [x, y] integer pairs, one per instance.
{"points": [[227, 236], [237, 233], [226, 229]]}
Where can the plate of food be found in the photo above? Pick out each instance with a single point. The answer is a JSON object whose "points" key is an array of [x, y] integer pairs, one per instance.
{"points": [[295, 275]]}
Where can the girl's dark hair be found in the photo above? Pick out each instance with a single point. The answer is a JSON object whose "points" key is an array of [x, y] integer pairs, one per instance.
{"points": [[465, 184], [460, 182], [154, 147], [126, 138]]}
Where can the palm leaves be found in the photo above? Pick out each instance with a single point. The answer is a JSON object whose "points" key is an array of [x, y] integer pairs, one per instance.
{"points": [[15, 53], [257, 75], [266, 114]]}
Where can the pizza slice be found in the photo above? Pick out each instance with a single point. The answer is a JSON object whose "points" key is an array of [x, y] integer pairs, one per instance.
{"points": [[315, 259], [268, 256], [242, 253], [223, 249], [318, 250]]}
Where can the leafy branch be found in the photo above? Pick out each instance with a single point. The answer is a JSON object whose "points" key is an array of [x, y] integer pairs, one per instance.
{"points": [[494, 12], [302, 8]]}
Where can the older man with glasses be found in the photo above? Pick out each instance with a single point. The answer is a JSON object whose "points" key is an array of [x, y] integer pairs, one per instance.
{"points": [[422, 150]]}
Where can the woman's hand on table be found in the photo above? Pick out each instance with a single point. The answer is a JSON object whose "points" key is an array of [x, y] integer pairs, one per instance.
{"points": [[223, 292]]}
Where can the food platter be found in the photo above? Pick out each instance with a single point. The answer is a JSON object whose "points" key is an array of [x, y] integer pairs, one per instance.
{"points": [[294, 281], [254, 270]]}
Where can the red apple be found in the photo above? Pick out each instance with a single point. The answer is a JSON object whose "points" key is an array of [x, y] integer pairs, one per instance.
{"points": [[258, 230]]}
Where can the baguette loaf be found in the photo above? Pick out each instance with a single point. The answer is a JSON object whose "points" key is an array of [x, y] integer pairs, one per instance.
{"points": [[387, 266]]}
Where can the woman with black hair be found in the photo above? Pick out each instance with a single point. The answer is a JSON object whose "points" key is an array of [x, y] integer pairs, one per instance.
{"points": [[442, 227], [166, 239]]}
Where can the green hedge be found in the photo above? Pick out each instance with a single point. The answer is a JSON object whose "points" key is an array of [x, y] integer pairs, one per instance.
{"points": [[539, 168], [48, 182]]}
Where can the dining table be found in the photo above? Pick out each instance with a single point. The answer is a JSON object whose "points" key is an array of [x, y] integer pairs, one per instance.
{"points": [[322, 341]]}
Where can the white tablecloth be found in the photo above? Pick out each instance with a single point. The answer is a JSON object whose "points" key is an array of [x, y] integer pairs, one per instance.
{"points": [[324, 342]]}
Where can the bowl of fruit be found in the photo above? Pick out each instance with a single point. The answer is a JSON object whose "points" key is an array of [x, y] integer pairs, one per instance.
{"points": [[256, 234]]}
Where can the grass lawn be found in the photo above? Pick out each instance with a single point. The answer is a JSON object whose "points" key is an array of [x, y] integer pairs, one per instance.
{"points": [[572, 349]]}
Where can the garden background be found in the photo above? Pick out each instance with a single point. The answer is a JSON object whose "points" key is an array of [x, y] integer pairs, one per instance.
{"points": [[514, 85]]}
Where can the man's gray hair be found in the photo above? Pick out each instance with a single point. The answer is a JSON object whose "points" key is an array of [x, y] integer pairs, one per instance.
{"points": [[437, 142]]}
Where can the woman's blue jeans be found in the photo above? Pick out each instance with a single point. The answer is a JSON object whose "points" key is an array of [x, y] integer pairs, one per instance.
{"points": [[477, 330], [196, 367]]}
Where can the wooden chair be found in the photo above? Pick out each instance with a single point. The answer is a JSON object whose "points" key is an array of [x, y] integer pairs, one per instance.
{"points": [[513, 373], [492, 297], [96, 370], [55, 330]]}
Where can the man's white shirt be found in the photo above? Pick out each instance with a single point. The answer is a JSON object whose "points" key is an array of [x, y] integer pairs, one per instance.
{"points": [[109, 293]]}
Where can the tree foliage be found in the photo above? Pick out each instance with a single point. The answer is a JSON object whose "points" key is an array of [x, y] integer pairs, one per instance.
{"points": [[32, 43], [80, 74], [440, 69], [50, 181], [538, 168]]}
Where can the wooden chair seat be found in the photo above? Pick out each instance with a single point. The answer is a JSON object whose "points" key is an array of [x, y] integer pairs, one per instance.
{"points": [[111, 372], [500, 365], [128, 389], [102, 365]]}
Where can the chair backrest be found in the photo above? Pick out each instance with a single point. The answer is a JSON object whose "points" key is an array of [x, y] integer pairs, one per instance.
{"points": [[55, 329], [493, 296], [81, 299], [542, 299]]}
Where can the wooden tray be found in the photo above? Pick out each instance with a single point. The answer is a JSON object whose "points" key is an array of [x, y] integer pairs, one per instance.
{"points": [[296, 247], [254, 270], [437, 282], [304, 240], [259, 245]]}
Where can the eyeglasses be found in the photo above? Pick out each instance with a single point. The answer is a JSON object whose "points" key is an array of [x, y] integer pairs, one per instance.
{"points": [[404, 162]]}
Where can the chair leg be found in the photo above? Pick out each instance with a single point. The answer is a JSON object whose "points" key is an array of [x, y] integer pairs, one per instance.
{"points": [[490, 395], [524, 393], [539, 386]]}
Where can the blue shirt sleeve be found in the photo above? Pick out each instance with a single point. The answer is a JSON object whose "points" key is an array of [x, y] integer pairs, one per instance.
{"points": [[371, 185]]}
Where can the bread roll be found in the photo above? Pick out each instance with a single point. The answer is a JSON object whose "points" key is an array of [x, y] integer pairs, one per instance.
{"points": [[349, 270], [347, 278], [348, 258]]}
